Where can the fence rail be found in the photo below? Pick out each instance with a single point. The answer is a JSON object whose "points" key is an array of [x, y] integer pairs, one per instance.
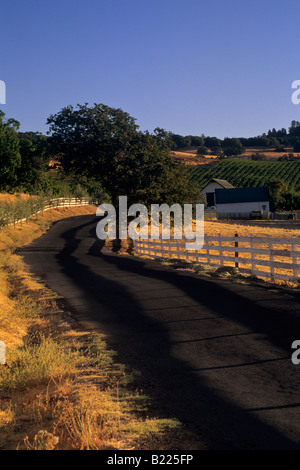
{"points": [[10, 213], [265, 257]]}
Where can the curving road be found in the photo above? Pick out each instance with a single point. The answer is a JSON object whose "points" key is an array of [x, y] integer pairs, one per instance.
{"points": [[213, 353]]}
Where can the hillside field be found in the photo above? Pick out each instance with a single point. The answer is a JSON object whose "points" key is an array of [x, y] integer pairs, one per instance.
{"points": [[188, 155], [243, 173]]}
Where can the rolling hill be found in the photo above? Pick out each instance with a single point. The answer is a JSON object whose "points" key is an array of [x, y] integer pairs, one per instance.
{"points": [[244, 173]]}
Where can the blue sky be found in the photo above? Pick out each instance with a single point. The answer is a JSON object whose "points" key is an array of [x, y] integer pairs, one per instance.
{"points": [[221, 68]]}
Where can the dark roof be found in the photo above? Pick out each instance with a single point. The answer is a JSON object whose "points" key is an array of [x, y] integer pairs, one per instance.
{"points": [[241, 195], [223, 183]]}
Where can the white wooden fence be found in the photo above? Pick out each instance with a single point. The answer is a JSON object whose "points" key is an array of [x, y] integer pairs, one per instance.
{"points": [[56, 203], [72, 201], [265, 257]]}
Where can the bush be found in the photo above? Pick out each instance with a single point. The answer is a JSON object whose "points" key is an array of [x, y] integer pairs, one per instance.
{"points": [[202, 150]]}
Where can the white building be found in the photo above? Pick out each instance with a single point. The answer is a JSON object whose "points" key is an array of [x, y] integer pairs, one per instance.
{"points": [[209, 191], [239, 203]]}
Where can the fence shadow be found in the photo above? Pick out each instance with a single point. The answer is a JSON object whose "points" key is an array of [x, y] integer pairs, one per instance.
{"points": [[144, 344]]}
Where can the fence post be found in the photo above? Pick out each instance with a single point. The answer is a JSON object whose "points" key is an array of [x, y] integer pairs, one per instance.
{"points": [[253, 265], [207, 251], [294, 258], [272, 268], [236, 254], [221, 250]]}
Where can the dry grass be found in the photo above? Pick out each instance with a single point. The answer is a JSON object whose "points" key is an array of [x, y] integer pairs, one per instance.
{"points": [[11, 198], [62, 388], [269, 152], [38, 361], [191, 158], [256, 228]]}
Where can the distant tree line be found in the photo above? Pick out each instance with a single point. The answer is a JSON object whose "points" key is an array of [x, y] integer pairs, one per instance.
{"points": [[278, 139]]}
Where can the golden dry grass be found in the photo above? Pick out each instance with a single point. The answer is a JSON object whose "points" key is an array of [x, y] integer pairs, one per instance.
{"points": [[191, 158], [11, 198], [62, 389], [269, 152], [14, 320], [246, 228]]}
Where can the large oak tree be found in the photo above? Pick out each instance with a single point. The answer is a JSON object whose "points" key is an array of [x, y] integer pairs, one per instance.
{"points": [[106, 143]]}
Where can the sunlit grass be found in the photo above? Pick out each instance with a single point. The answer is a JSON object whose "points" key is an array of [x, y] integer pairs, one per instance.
{"points": [[62, 387], [37, 362]]}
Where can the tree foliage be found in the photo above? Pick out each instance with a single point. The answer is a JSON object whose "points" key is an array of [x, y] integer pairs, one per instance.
{"points": [[34, 150], [91, 139], [106, 143], [10, 157], [277, 188]]}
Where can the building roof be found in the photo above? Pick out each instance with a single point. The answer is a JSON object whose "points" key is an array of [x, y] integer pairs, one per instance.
{"points": [[236, 195], [222, 183]]}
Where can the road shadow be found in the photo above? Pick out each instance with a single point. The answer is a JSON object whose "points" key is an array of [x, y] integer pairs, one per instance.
{"points": [[144, 345]]}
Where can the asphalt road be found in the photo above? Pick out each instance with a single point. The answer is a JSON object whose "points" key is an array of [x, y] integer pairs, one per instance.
{"points": [[213, 353]]}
